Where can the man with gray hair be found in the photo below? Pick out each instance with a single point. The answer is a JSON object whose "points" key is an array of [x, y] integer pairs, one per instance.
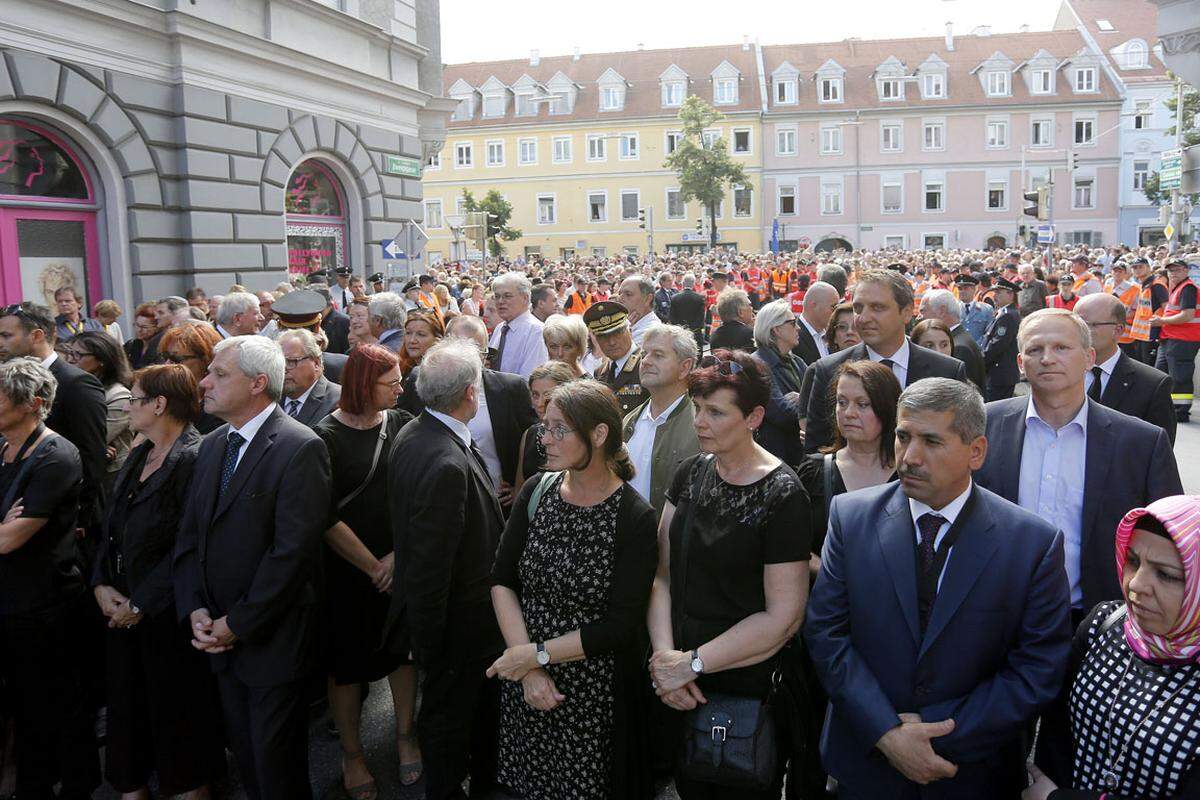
{"points": [[967, 634], [446, 524], [386, 316], [518, 339], [307, 395], [244, 562], [238, 315], [636, 293], [941, 304]]}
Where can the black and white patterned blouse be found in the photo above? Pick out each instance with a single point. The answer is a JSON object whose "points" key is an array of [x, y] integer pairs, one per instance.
{"points": [[1112, 693]]}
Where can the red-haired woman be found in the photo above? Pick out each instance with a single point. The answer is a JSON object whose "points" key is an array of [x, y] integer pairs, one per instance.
{"points": [[359, 435], [191, 344]]}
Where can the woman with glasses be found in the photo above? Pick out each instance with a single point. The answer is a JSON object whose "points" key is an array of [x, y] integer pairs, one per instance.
{"points": [[776, 332], [191, 345], [840, 333], [360, 322], [732, 576], [142, 349], [359, 435], [542, 382], [162, 698], [100, 355], [570, 585]]}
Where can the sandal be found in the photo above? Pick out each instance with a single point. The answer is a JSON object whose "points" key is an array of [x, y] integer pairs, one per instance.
{"points": [[365, 791], [411, 772]]}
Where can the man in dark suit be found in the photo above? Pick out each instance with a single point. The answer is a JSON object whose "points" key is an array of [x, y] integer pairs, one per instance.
{"points": [[608, 322], [687, 309], [999, 344], [244, 560], [446, 523], [1124, 384], [1069, 459], [941, 304], [386, 316], [938, 623], [336, 324], [737, 316], [820, 301], [307, 395], [883, 305]]}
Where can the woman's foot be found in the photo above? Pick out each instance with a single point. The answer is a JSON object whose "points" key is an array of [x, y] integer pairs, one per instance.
{"points": [[410, 758], [356, 778]]}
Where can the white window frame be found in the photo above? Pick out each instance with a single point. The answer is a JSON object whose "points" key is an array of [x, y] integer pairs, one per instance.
{"points": [[998, 83], [434, 163], [926, 125], [945, 237], [890, 241], [587, 210], [831, 90], [612, 98], [1039, 86], [553, 198], [791, 91], [831, 135], [1143, 114], [487, 153], [897, 145], [1086, 80], [459, 149], [931, 81], [460, 205], [1088, 119], [668, 89], [629, 147], [791, 187], [1140, 175], [750, 193], [561, 104], [601, 147], [465, 109], [431, 203], [667, 203], [494, 97], [780, 131], [521, 144], [988, 187], [749, 142], [925, 187], [725, 91], [558, 140], [709, 137], [996, 133], [838, 196], [883, 187], [637, 204], [1079, 182], [527, 97], [889, 89], [667, 136], [1034, 122]]}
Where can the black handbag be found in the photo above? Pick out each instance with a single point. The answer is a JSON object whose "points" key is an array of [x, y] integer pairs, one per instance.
{"points": [[730, 740]]}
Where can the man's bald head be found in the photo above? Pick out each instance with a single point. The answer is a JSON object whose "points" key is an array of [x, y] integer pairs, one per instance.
{"points": [[819, 302], [1105, 315]]}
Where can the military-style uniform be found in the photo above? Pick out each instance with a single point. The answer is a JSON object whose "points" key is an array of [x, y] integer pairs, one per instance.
{"points": [[626, 384], [999, 348]]}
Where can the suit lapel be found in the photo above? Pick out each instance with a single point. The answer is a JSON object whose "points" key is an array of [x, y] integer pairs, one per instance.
{"points": [[1012, 437], [897, 540], [259, 445], [484, 479], [1118, 382], [1099, 455], [313, 401]]}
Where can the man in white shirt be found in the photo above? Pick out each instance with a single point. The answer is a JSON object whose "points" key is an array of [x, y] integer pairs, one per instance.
{"points": [[239, 315], [518, 339], [820, 301], [637, 295]]}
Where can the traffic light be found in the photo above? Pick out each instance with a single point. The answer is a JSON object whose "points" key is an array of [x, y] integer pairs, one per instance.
{"points": [[700, 226], [1072, 161], [642, 218], [1038, 203]]}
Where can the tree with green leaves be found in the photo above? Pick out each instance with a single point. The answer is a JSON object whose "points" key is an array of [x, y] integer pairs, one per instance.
{"points": [[705, 170], [1191, 136], [499, 212]]}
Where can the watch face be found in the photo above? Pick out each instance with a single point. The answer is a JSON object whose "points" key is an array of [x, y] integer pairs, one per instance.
{"points": [[697, 665], [543, 657]]}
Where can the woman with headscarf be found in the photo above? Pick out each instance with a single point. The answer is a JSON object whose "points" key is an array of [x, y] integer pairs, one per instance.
{"points": [[1126, 724]]}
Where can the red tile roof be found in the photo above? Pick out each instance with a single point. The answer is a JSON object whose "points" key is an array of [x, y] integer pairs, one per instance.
{"points": [[1130, 19]]}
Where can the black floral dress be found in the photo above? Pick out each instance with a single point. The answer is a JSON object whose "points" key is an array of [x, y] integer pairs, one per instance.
{"points": [[565, 571]]}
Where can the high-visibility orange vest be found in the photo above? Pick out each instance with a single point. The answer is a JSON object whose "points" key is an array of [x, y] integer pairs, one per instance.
{"points": [[1056, 301], [797, 300], [1139, 328], [431, 303], [1182, 331], [1127, 293], [1082, 281], [576, 304]]}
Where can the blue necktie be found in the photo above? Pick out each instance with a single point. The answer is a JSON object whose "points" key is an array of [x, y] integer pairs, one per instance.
{"points": [[232, 446]]}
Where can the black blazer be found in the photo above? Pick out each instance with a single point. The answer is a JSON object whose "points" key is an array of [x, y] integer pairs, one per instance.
{"points": [[446, 525], [732, 335], [320, 403], [779, 433], [687, 309], [999, 347], [1141, 391], [337, 330], [966, 351], [814, 394], [334, 363], [79, 414], [147, 539], [1129, 465], [806, 349], [250, 553], [142, 353]]}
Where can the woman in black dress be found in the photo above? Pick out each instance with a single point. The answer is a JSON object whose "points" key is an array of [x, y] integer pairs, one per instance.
{"points": [[741, 516], [542, 381], [162, 698], [570, 586], [359, 571]]}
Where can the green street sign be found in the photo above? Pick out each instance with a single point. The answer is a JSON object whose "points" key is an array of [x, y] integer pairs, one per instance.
{"points": [[1170, 175], [401, 165]]}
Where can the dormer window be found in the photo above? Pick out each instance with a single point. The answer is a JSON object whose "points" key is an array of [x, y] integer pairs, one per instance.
{"points": [[785, 91], [997, 83], [672, 94], [465, 109], [831, 90], [891, 89], [525, 105], [561, 104], [1136, 55], [494, 105], [1042, 81], [933, 85], [1085, 79], [611, 98], [725, 91]]}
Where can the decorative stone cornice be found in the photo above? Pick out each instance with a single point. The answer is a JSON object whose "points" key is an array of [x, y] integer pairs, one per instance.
{"points": [[1180, 42]]}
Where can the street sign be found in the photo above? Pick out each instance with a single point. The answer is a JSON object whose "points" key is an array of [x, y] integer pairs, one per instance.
{"points": [[804, 241], [394, 248], [1170, 175], [417, 240], [1169, 231], [402, 165], [1045, 234]]}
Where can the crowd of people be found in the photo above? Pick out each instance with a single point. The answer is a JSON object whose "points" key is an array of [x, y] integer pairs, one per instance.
{"points": [[873, 524]]}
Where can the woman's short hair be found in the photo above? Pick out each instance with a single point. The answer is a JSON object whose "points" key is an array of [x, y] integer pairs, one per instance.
{"points": [[749, 381], [769, 317], [830, 334], [926, 325], [23, 379], [114, 364], [587, 404], [197, 338], [365, 365], [564, 329], [555, 371], [447, 369], [883, 392], [106, 307], [146, 310], [176, 384], [730, 302]]}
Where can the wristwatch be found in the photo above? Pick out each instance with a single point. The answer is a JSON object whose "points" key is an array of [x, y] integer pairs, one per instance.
{"points": [[543, 655], [137, 612], [697, 664]]}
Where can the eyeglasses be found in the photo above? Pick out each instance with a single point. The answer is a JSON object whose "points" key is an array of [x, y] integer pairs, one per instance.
{"points": [[559, 432], [292, 363], [174, 358], [391, 384], [724, 367], [141, 400], [73, 356], [1094, 325], [145, 326]]}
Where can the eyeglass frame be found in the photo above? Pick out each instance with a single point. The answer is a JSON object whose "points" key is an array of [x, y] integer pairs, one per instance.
{"points": [[178, 360], [725, 366], [558, 432]]}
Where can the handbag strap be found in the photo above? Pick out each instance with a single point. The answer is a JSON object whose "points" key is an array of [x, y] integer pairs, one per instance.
{"points": [[374, 464], [827, 481], [685, 539], [534, 499], [11, 495]]}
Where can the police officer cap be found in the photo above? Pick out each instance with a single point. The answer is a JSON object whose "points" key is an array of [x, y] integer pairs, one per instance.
{"points": [[412, 283], [299, 309], [1005, 283], [606, 316], [966, 280], [345, 272], [376, 277]]}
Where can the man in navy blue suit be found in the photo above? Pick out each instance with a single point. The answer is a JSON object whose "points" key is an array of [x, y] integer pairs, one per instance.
{"points": [[939, 621]]}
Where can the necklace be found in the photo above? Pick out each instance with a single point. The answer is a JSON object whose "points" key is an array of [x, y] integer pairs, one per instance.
{"points": [[1109, 776]]}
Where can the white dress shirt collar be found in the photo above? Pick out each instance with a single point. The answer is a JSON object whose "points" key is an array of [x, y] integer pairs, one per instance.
{"points": [[948, 512], [818, 336], [456, 427], [48, 360], [251, 427], [302, 399], [1110, 363], [1080, 418], [898, 358]]}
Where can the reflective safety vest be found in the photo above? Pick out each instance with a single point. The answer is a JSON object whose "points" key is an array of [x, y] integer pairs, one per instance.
{"points": [[576, 304], [1127, 293], [1139, 327], [797, 298], [779, 281], [1183, 331], [430, 303], [1056, 301]]}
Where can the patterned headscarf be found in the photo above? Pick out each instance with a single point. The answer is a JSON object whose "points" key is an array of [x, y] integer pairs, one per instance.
{"points": [[1180, 515]]}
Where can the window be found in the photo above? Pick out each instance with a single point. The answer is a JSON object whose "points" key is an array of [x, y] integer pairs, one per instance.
{"points": [[933, 241], [562, 149], [997, 83], [1141, 171], [786, 200], [1042, 82], [741, 201], [460, 205], [493, 105], [561, 104], [831, 90], [434, 163], [933, 196], [672, 94], [1086, 238], [997, 196], [1143, 113], [527, 151], [629, 146], [630, 203], [933, 85], [1136, 56], [465, 108], [1084, 197], [525, 105], [895, 242], [1041, 133], [741, 141], [708, 139], [1085, 79], [785, 91], [831, 140], [673, 140], [889, 137], [1085, 131], [725, 91], [831, 198], [934, 136], [433, 213], [675, 206], [464, 154], [893, 198], [597, 207], [595, 147], [889, 89], [785, 141], [547, 209], [495, 154], [599, 252], [997, 133], [612, 98]]}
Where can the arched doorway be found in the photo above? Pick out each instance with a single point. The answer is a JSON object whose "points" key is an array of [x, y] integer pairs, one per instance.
{"points": [[829, 244], [48, 237], [317, 225], [996, 242]]}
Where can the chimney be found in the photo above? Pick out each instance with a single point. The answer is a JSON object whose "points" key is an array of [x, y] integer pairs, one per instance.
{"points": [[535, 58], [745, 42], [982, 30], [641, 46], [950, 36], [575, 54], [1024, 29]]}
